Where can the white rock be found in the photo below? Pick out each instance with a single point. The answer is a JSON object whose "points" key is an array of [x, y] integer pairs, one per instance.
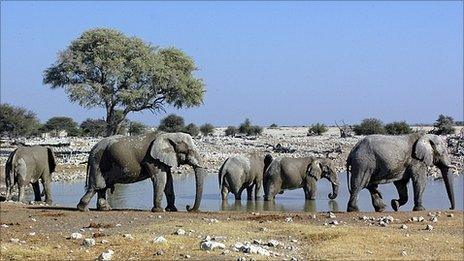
{"points": [[332, 215], [289, 219], [14, 240], [414, 219], [104, 241], [107, 255], [180, 232], [334, 222], [128, 236], [450, 215], [404, 253], [32, 234], [364, 218], [429, 227], [210, 245], [273, 243], [4, 225], [159, 240], [434, 219], [252, 249], [88, 242], [404, 226], [420, 219], [76, 235], [118, 225], [382, 223]]}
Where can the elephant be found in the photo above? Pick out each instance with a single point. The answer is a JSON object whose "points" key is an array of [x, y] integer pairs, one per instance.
{"points": [[129, 159], [27, 165], [380, 159], [292, 173], [239, 173]]}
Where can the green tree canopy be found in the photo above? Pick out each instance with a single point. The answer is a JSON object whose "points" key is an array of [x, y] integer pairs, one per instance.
{"points": [[207, 129], [105, 68], [136, 128], [93, 127], [17, 121], [172, 123], [369, 126], [192, 129], [398, 128], [444, 125], [62, 123]]}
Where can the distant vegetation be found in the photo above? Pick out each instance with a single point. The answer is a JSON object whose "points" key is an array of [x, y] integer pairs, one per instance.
{"points": [[231, 131], [93, 127], [17, 121], [444, 125], [272, 126], [369, 126], [136, 128], [61, 123], [248, 129], [206, 129], [398, 128], [192, 129], [172, 123], [317, 129]]}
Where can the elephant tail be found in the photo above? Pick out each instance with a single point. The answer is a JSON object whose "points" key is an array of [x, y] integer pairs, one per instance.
{"points": [[87, 176], [222, 174], [348, 176]]}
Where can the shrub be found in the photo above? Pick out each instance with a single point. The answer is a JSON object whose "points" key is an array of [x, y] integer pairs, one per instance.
{"points": [[172, 123], [398, 128], [136, 128], [192, 129], [369, 126], [17, 121], [62, 123], [206, 129], [248, 129], [443, 125], [317, 129], [93, 127], [231, 131], [272, 126]]}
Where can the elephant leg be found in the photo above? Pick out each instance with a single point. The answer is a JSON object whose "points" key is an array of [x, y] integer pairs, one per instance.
{"points": [[102, 203], [84, 202], [250, 192], [258, 190], [238, 195], [376, 197], [309, 190], [22, 191], [47, 189], [159, 183], [224, 192], [419, 181], [401, 186], [37, 195], [9, 191], [169, 192]]}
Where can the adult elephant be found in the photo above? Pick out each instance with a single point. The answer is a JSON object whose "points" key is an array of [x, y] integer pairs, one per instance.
{"points": [[122, 159], [293, 173], [379, 159], [239, 173], [26, 165]]}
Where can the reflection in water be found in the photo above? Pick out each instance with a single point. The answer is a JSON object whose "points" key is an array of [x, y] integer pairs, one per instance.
{"points": [[140, 196]]}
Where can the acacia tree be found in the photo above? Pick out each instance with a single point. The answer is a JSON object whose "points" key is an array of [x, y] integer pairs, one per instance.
{"points": [[105, 68]]}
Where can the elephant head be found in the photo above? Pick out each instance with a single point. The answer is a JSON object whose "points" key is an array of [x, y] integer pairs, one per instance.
{"points": [[431, 150], [323, 168], [175, 149]]}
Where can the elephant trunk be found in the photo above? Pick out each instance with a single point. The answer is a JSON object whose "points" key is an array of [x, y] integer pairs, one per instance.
{"points": [[334, 193], [448, 179], [199, 177]]}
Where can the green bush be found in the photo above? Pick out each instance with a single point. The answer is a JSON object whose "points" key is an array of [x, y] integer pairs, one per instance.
{"points": [[231, 131], [62, 123], [192, 129], [317, 129], [248, 129], [136, 128], [17, 121], [444, 125], [206, 129], [369, 126], [93, 127], [272, 126], [398, 128], [172, 123]]}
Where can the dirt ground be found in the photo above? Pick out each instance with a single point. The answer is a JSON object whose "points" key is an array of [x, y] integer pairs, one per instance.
{"points": [[44, 233]]}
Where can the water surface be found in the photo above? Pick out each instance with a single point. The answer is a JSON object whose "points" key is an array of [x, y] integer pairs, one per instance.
{"points": [[140, 196]]}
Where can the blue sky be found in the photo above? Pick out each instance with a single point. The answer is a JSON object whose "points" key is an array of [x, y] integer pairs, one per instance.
{"points": [[290, 63]]}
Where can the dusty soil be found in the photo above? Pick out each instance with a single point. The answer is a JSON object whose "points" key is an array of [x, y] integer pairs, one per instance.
{"points": [[306, 236]]}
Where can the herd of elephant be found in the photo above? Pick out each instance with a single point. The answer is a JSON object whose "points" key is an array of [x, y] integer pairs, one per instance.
{"points": [[374, 160]]}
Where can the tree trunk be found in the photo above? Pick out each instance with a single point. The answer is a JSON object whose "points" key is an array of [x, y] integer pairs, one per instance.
{"points": [[113, 123]]}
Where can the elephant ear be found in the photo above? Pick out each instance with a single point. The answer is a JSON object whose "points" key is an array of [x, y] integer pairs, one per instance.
{"points": [[162, 149], [314, 169], [424, 150], [51, 160], [9, 169]]}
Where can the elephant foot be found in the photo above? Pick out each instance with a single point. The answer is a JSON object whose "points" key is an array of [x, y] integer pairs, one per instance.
{"points": [[395, 204], [380, 208], [155, 209], [352, 209], [171, 209], [82, 207], [103, 207], [418, 208], [48, 202]]}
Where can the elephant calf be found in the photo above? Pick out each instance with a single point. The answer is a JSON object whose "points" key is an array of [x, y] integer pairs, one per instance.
{"points": [[292, 173], [27, 165], [238, 173]]}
